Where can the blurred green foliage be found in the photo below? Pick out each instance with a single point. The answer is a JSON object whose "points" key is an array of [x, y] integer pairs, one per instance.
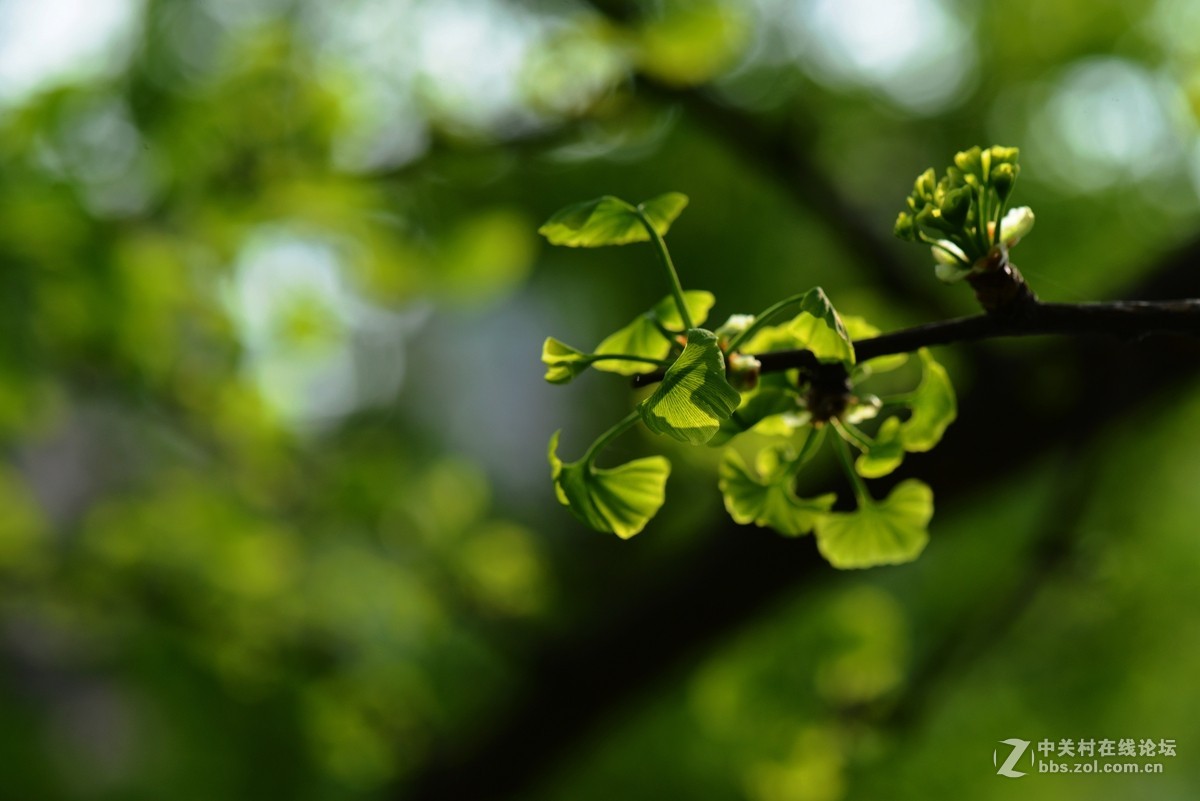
{"points": [[274, 510]]}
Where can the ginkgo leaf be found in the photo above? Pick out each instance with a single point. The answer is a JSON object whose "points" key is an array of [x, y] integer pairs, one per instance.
{"points": [[885, 453], [694, 396], [933, 407], [859, 329], [773, 411], [609, 220], [664, 210], [562, 361], [643, 337], [618, 500], [820, 329], [768, 500], [816, 328], [887, 532]]}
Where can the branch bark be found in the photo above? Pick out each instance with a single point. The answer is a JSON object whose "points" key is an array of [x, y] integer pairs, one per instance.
{"points": [[1126, 318]]}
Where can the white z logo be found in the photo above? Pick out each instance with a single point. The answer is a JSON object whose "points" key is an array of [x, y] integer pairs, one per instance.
{"points": [[1018, 749]]}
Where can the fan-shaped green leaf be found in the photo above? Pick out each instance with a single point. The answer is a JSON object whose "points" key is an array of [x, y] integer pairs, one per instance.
{"points": [[619, 500], [820, 329], [933, 407], [886, 532], [885, 453], [609, 220], [773, 411], [643, 338], [858, 329], [693, 397], [768, 500], [562, 361], [817, 328], [663, 210]]}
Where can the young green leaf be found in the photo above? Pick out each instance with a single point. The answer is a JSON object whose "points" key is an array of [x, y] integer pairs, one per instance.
{"points": [[768, 500], [663, 210], [693, 397], [933, 407], [820, 329], [885, 453], [609, 220], [887, 532], [618, 500], [643, 337], [562, 361], [817, 328], [858, 328], [773, 411]]}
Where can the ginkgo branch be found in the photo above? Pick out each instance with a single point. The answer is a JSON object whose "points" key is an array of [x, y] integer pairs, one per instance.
{"points": [[1130, 319]]}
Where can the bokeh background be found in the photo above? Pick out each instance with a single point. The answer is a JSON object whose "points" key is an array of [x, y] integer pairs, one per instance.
{"points": [[275, 513]]}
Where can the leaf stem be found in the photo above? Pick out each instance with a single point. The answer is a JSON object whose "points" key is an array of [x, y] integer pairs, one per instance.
{"points": [[853, 435], [664, 258], [811, 443], [860, 487], [608, 436], [625, 357]]}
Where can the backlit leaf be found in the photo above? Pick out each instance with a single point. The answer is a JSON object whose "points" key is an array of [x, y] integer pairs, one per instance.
{"points": [[817, 328], [773, 411], [693, 397], [821, 331], [768, 499], [643, 338], [618, 500], [609, 220], [664, 210], [562, 361], [858, 329], [885, 453], [887, 532], [933, 407]]}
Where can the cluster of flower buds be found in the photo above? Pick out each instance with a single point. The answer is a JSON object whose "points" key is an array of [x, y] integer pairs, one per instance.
{"points": [[964, 215]]}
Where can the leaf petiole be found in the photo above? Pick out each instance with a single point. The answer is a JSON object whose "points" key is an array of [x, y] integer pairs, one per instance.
{"points": [[853, 435], [811, 444], [860, 488], [608, 436], [625, 357], [664, 258]]}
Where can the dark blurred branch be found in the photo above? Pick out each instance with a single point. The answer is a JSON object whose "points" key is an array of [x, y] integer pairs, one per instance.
{"points": [[1124, 318]]}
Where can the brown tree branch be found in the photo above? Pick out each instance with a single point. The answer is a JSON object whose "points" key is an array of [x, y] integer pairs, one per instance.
{"points": [[1125, 318]]}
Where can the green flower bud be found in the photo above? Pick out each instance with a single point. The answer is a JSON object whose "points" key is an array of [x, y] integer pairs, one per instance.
{"points": [[924, 186], [956, 206], [1003, 178], [905, 228], [1004, 155], [931, 217], [969, 161]]}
